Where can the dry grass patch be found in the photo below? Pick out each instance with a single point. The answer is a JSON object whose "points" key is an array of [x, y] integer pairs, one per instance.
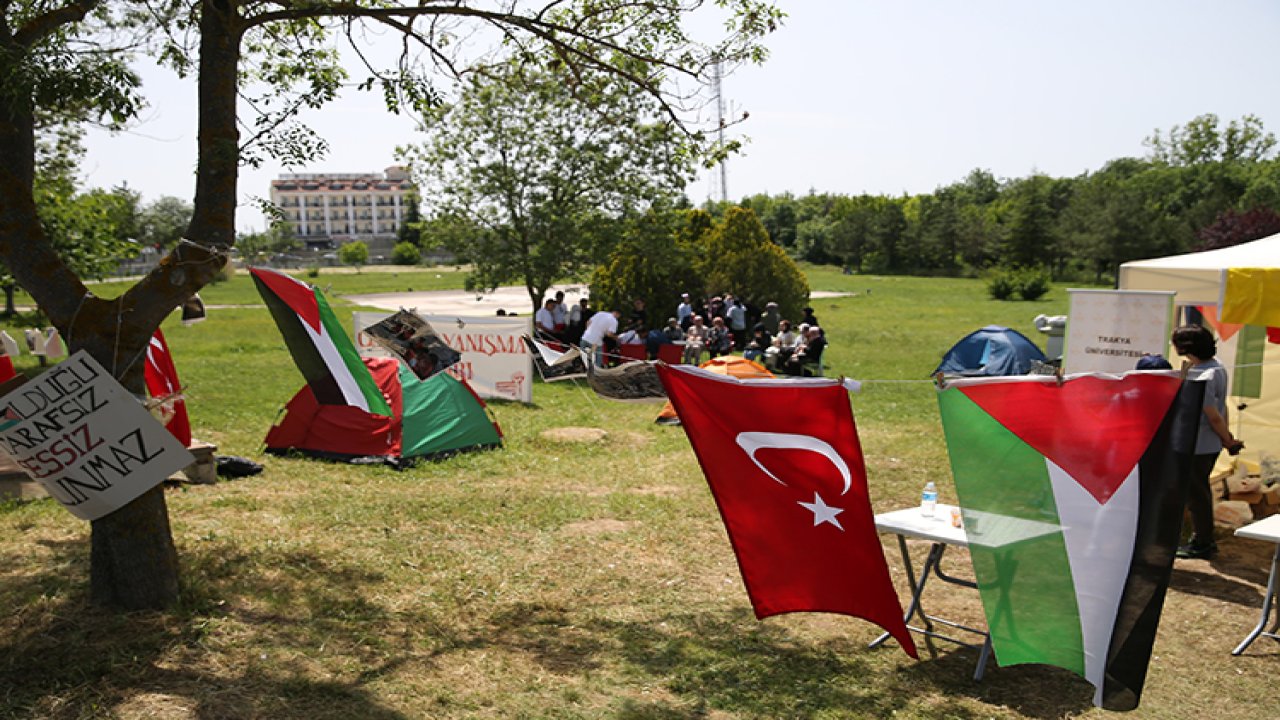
{"points": [[601, 526], [574, 435], [658, 490]]}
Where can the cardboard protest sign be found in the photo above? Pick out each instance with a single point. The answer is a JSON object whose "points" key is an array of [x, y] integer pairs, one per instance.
{"points": [[86, 439], [629, 382]]}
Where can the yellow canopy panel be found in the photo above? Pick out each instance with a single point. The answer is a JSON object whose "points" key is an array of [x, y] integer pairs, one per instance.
{"points": [[1252, 297]]}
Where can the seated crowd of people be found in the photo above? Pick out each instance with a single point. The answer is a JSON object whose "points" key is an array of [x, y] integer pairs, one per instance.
{"points": [[717, 326]]}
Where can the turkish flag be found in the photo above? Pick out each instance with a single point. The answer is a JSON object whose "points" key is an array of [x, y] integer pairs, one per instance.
{"points": [[162, 380], [784, 463]]}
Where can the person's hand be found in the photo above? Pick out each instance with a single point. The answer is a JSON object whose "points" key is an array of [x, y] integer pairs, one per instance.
{"points": [[1234, 446]]}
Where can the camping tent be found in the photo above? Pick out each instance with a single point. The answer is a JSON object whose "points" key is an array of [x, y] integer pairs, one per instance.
{"points": [[738, 367], [430, 417], [993, 350], [1199, 280]]}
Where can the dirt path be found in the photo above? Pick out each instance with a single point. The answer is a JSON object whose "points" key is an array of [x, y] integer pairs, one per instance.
{"points": [[461, 302]]}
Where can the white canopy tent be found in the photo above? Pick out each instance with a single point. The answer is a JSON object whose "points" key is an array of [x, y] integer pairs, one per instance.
{"points": [[1199, 279]]}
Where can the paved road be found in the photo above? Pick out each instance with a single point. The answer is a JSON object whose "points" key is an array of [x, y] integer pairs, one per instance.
{"points": [[461, 302]]}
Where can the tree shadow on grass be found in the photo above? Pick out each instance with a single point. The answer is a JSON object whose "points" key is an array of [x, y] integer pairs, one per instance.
{"points": [[729, 663], [1248, 560], [290, 633], [62, 657]]}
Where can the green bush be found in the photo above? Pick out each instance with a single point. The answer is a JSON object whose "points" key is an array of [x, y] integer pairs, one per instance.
{"points": [[1025, 283], [739, 258], [1002, 284], [654, 260], [406, 253], [354, 254], [1033, 284], [313, 271]]}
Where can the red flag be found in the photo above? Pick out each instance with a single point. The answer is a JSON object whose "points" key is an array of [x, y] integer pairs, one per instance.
{"points": [[6, 367], [162, 380], [785, 466]]}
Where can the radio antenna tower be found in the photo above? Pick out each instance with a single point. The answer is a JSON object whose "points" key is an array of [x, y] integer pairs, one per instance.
{"points": [[717, 88]]}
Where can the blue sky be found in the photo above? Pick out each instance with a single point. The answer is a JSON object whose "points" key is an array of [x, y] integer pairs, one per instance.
{"points": [[876, 96]]}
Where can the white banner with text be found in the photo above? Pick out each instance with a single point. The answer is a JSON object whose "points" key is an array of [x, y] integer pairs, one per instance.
{"points": [[1108, 331], [495, 361]]}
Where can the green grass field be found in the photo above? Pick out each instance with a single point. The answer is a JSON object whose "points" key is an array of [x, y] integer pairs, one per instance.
{"points": [[546, 579], [337, 281]]}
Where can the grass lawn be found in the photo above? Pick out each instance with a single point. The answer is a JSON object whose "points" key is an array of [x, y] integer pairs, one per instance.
{"points": [[547, 580]]}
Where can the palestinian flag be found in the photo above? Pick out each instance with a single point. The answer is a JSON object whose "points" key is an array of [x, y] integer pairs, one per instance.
{"points": [[1072, 499], [319, 345]]}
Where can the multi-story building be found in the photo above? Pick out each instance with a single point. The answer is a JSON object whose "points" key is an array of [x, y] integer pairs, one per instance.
{"points": [[328, 209]]}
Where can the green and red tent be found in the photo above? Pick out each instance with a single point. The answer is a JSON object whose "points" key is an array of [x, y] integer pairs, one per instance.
{"points": [[432, 417], [355, 408]]}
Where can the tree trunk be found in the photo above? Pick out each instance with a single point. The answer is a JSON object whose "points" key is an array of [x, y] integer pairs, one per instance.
{"points": [[213, 219], [133, 562]]}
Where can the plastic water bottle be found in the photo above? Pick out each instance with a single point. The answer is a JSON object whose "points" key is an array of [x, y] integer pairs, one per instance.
{"points": [[929, 499]]}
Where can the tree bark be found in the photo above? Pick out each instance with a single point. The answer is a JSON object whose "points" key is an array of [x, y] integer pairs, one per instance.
{"points": [[133, 562]]}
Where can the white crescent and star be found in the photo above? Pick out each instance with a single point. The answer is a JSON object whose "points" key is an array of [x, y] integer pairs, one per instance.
{"points": [[753, 442]]}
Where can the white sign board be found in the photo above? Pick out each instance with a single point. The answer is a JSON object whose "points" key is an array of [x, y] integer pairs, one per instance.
{"points": [[1108, 331], [86, 439], [495, 361]]}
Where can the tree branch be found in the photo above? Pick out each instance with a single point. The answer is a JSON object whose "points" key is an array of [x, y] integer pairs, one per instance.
{"points": [[41, 26], [534, 25]]}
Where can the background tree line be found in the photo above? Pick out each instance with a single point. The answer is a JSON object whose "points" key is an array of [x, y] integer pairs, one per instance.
{"points": [[1200, 186]]}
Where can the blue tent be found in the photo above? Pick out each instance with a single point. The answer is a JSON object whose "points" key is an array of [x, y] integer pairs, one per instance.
{"points": [[993, 350]]}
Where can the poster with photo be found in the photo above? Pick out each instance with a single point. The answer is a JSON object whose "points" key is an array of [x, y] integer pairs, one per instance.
{"points": [[410, 338], [554, 365], [495, 362]]}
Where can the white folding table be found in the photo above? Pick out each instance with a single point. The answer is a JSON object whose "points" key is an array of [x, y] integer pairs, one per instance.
{"points": [[1269, 531], [938, 530]]}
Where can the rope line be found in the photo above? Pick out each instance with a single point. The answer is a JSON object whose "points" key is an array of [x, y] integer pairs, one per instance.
{"points": [[72, 325]]}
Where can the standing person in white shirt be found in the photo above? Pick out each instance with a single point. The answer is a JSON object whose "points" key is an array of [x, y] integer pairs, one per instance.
{"points": [[736, 318], [560, 313], [684, 311], [544, 321], [601, 325]]}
